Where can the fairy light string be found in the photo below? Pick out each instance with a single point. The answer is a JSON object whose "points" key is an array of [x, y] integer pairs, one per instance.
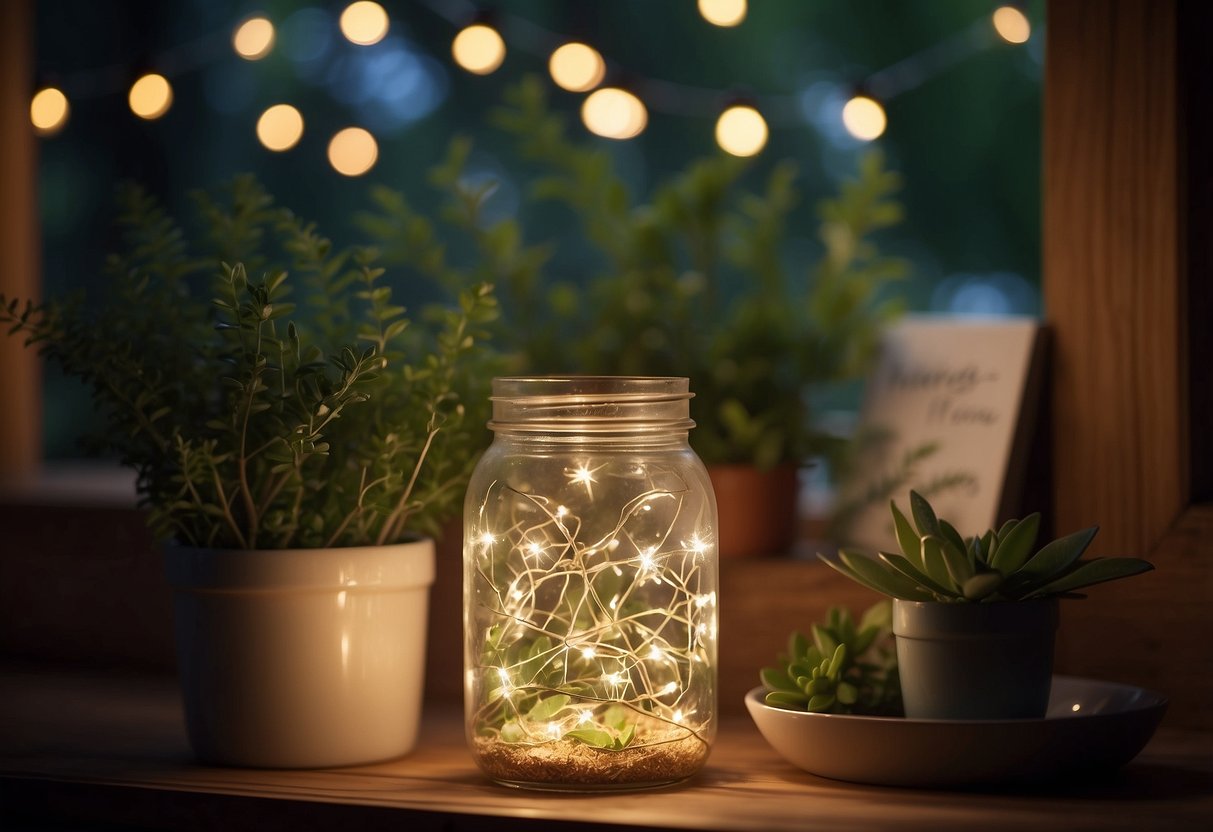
{"points": [[598, 616], [481, 44]]}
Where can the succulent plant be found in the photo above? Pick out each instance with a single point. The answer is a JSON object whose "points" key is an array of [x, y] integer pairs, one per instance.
{"points": [[937, 564], [846, 668]]}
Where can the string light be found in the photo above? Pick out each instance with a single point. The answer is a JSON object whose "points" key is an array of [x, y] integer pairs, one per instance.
{"points": [[364, 23], [741, 130], [48, 111], [478, 48], [614, 113], [254, 38], [1012, 24], [864, 118], [724, 13], [150, 96], [576, 67], [280, 127], [353, 152]]}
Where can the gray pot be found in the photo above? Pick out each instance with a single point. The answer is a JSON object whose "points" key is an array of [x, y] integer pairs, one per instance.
{"points": [[975, 661]]}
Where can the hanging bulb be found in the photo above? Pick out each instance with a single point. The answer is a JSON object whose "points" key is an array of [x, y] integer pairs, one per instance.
{"points": [[48, 111], [353, 151], [254, 38], [577, 67], [741, 130], [1012, 24], [864, 118], [723, 13], [614, 113], [478, 48], [364, 23], [150, 96], [280, 127]]}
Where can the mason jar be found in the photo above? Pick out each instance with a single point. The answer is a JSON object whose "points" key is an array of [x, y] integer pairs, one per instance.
{"points": [[590, 578]]}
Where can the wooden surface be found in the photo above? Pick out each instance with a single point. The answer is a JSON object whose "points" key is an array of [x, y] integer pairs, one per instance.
{"points": [[21, 413], [85, 750]]}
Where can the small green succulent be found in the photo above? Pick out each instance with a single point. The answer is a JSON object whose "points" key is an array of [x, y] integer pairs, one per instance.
{"points": [[937, 564], [846, 669]]}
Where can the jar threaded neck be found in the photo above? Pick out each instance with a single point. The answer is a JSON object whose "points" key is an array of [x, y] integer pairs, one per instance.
{"points": [[596, 405]]}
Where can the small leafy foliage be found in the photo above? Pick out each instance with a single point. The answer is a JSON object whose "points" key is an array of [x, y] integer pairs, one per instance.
{"points": [[249, 423], [690, 281], [848, 667], [937, 564]]}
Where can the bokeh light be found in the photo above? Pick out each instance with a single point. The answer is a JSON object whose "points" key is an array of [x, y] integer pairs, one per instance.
{"points": [[576, 67], [741, 130], [151, 96], [254, 38], [353, 151], [280, 127], [478, 49], [48, 111], [614, 113], [864, 118], [723, 12], [1012, 24], [364, 23]]}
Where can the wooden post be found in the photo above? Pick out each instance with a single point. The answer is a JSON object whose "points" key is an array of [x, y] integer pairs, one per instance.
{"points": [[1113, 280], [20, 384]]}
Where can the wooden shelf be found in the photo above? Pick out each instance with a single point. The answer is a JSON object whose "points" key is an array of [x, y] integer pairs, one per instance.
{"points": [[92, 749]]}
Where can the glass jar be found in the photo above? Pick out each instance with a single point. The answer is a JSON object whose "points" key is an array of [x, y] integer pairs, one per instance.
{"points": [[590, 575]]}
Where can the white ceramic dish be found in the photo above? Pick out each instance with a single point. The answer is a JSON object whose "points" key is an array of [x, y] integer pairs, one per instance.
{"points": [[1090, 727]]}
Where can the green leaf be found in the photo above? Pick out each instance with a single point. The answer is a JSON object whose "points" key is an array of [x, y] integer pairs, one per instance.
{"points": [[777, 679], [1092, 572], [825, 642], [786, 699], [591, 736], [982, 585], [512, 732], [924, 515], [847, 693], [548, 707], [1014, 549], [908, 569], [907, 539], [867, 572], [821, 703], [797, 645], [936, 564], [1055, 558]]}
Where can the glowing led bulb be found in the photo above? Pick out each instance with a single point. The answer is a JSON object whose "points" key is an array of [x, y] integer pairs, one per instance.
{"points": [[656, 653], [723, 12], [48, 111], [486, 539], [478, 49], [280, 127], [584, 717], [864, 118], [364, 23], [353, 151], [254, 38], [614, 113], [588, 652], [1012, 24], [741, 130], [150, 96], [576, 67]]}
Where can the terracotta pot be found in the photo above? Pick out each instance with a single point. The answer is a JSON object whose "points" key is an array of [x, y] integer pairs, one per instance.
{"points": [[304, 658], [757, 509], [975, 661]]}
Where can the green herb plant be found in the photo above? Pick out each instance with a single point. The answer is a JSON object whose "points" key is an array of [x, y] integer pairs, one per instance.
{"points": [[847, 668], [937, 564], [690, 281], [256, 423]]}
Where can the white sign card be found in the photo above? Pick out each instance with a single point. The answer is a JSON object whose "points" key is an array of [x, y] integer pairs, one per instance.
{"points": [[949, 411]]}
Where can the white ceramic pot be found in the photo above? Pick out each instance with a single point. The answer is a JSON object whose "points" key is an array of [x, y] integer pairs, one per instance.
{"points": [[301, 658]]}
